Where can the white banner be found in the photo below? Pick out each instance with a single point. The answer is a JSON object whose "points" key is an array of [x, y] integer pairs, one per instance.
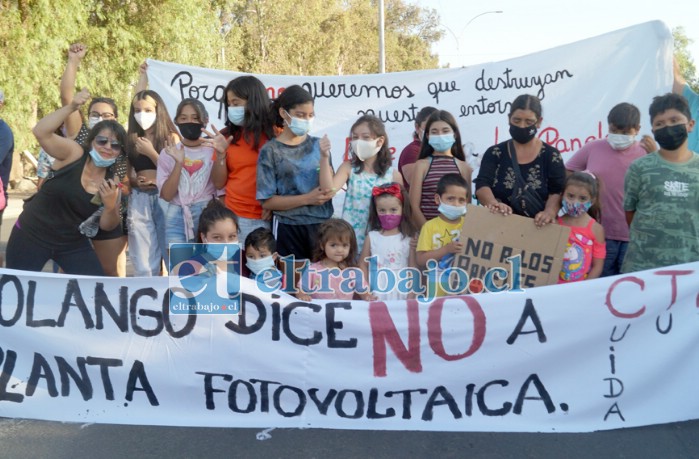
{"points": [[578, 84], [600, 354]]}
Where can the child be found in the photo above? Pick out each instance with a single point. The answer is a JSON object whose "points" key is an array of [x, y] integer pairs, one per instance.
{"points": [[217, 223], [391, 236], [248, 127], [260, 252], [441, 154], [662, 192], [287, 175], [370, 166], [184, 174], [336, 250], [609, 159], [440, 236], [584, 257]]}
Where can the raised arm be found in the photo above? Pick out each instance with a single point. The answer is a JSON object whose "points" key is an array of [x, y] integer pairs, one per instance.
{"points": [[142, 83], [61, 148], [74, 121]]}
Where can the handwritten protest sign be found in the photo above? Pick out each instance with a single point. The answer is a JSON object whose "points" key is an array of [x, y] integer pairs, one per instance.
{"points": [[577, 83], [108, 350], [514, 245]]}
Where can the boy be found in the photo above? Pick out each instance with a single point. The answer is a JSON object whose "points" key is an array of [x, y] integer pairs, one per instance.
{"points": [[440, 236], [609, 159], [662, 192], [261, 255]]}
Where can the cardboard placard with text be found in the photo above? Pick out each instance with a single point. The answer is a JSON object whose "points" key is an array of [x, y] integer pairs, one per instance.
{"points": [[492, 240]]}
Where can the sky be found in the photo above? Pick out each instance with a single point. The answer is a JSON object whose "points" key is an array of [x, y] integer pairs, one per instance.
{"points": [[525, 27]]}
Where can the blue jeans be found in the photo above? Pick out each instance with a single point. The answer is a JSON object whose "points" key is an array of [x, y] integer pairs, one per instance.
{"points": [[146, 222], [248, 225], [174, 222], [616, 251]]}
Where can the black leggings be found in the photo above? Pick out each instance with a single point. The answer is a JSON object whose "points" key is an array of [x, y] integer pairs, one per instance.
{"points": [[26, 253]]}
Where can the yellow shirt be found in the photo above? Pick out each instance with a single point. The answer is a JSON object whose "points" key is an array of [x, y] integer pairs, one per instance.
{"points": [[435, 234]]}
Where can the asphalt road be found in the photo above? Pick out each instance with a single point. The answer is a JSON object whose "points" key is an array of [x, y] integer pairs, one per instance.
{"points": [[37, 439]]}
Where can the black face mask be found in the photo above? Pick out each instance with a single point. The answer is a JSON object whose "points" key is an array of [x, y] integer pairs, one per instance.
{"points": [[190, 131], [522, 134], [671, 137]]}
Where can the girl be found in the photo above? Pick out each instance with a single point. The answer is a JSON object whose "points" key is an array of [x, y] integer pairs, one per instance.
{"points": [[441, 154], [218, 224], [248, 128], [391, 237], [336, 250], [48, 227], [370, 166], [584, 257], [184, 174], [150, 128], [287, 175]]}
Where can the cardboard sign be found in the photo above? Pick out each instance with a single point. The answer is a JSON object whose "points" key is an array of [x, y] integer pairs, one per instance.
{"points": [[530, 255]]}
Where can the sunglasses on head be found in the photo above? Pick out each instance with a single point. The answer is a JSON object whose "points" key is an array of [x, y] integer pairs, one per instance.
{"points": [[103, 141]]}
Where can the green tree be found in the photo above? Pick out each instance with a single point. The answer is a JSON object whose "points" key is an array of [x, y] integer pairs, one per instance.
{"points": [[684, 58], [257, 36]]}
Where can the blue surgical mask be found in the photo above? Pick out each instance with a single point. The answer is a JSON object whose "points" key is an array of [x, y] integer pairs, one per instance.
{"points": [[99, 160], [442, 142], [261, 264], [236, 115], [451, 212], [299, 126], [575, 209]]}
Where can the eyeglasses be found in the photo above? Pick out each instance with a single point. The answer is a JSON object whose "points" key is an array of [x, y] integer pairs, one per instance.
{"points": [[104, 116], [103, 141]]}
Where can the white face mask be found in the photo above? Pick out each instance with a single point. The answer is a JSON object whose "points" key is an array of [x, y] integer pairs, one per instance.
{"points": [[365, 149], [93, 120], [620, 141], [259, 265], [145, 119]]}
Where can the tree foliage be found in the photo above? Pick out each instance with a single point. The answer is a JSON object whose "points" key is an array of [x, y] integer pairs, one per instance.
{"points": [[312, 37], [684, 58]]}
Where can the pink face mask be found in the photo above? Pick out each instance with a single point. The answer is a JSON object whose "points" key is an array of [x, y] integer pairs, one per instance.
{"points": [[388, 222]]}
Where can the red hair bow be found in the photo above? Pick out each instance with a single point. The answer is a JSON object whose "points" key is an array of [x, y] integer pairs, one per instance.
{"points": [[392, 189]]}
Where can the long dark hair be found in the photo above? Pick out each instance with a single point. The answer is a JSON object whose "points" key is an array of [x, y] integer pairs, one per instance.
{"points": [[337, 228], [163, 127], [407, 228], [456, 150], [383, 157], [258, 120]]}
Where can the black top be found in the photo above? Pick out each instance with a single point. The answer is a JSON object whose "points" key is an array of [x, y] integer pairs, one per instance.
{"points": [[545, 175], [54, 213]]}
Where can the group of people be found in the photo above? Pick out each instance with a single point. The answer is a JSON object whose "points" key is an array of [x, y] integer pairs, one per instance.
{"points": [[264, 181]]}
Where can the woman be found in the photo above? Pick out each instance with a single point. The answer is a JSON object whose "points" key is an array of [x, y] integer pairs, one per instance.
{"points": [[522, 175], [109, 246], [80, 183], [248, 128], [150, 127]]}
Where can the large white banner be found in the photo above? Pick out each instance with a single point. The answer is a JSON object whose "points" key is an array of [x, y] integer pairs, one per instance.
{"points": [[578, 84], [599, 354]]}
